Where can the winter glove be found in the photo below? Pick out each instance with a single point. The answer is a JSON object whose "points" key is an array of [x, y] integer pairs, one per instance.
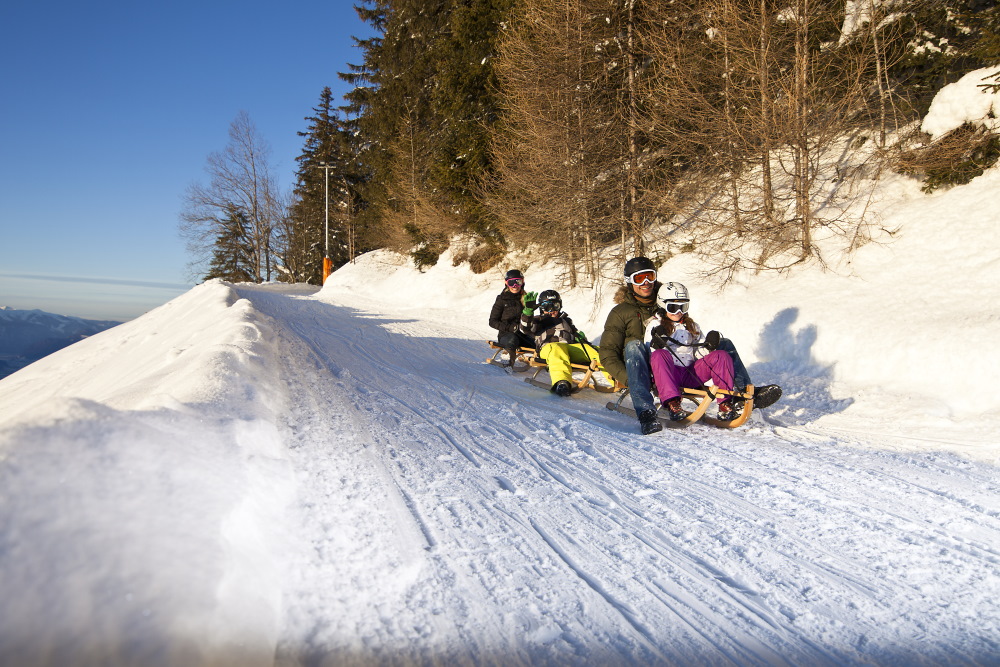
{"points": [[656, 341], [529, 303], [580, 336], [712, 339]]}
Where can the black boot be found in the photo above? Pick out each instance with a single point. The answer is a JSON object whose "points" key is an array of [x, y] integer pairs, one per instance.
{"points": [[648, 423], [766, 396], [562, 388]]}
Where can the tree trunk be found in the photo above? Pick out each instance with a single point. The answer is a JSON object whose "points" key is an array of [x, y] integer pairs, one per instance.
{"points": [[766, 106], [801, 140], [632, 187]]}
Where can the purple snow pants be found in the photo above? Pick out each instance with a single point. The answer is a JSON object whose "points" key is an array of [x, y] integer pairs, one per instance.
{"points": [[670, 378]]}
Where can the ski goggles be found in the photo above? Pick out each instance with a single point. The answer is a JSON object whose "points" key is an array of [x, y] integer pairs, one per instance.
{"points": [[550, 306], [646, 276], [514, 282], [677, 306]]}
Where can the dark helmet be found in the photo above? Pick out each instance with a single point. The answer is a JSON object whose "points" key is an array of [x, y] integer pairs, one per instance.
{"points": [[549, 301], [638, 264], [513, 273]]}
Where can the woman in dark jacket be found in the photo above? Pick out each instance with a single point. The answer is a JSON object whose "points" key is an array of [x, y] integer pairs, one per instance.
{"points": [[505, 316]]}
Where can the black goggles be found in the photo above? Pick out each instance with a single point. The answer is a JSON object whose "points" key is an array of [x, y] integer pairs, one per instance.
{"points": [[677, 306]]}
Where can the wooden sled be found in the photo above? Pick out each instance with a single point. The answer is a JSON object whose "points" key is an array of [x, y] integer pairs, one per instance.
{"points": [[524, 354], [703, 398], [530, 359]]}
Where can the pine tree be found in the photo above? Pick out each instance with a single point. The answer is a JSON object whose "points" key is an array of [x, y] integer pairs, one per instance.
{"points": [[986, 25], [947, 39], [466, 101], [391, 102], [233, 249], [325, 197], [424, 102]]}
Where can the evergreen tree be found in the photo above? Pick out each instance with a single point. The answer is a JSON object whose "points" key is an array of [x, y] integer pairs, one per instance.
{"points": [[325, 197], [467, 103], [425, 102], [233, 250], [391, 102], [947, 39], [986, 25]]}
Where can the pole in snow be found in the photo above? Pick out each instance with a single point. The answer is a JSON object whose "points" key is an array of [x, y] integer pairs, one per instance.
{"points": [[327, 262]]}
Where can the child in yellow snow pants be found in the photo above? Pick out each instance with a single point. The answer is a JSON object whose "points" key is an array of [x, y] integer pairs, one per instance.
{"points": [[559, 356]]}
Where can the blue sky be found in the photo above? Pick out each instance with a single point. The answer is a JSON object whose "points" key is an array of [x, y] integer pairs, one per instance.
{"points": [[108, 112]]}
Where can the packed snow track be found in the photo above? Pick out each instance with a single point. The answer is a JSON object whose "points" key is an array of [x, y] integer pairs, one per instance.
{"points": [[448, 512]]}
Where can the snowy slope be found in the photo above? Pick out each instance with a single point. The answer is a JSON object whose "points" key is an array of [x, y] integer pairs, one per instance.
{"points": [[131, 467], [899, 334], [258, 475]]}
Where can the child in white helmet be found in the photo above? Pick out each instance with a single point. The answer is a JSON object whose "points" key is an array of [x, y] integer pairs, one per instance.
{"points": [[683, 357]]}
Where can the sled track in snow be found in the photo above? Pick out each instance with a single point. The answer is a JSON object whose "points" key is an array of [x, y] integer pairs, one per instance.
{"points": [[520, 527]]}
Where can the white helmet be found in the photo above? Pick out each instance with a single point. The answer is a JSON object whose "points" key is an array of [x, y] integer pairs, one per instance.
{"points": [[674, 292]]}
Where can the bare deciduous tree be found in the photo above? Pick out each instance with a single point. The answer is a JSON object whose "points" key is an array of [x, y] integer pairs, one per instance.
{"points": [[561, 156], [240, 179], [762, 99]]}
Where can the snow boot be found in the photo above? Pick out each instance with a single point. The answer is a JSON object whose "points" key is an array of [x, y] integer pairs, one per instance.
{"points": [[562, 388], [648, 423], [730, 410], [766, 396], [677, 413], [511, 356]]}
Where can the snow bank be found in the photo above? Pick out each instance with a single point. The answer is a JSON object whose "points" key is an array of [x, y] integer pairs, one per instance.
{"points": [[153, 450], [965, 102], [915, 319]]}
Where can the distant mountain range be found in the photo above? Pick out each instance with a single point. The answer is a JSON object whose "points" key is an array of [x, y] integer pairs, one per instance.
{"points": [[28, 335]]}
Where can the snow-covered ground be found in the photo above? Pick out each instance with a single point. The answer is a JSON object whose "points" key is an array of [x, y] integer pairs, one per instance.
{"points": [[257, 475]]}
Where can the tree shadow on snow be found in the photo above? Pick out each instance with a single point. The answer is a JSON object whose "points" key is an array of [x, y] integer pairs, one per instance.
{"points": [[440, 359], [786, 358]]}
